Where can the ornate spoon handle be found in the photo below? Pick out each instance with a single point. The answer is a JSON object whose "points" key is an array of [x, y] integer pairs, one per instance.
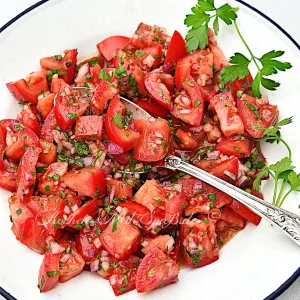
{"points": [[288, 222]]}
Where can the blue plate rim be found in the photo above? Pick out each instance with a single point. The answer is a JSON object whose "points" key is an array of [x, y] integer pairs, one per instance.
{"points": [[289, 281]]}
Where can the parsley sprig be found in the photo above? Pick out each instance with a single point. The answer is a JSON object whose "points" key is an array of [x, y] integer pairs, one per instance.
{"points": [[199, 20], [283, 171], [266, 65]]}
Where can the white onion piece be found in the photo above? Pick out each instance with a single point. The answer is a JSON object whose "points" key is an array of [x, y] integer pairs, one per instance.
{"points": [[67, 210], [112, 280], [105, 265], [104, 253], [169, 244], [213, 155], [111, 194], [230, 175], [97, 243], [87, 161], [241, 180], [83, 70], [144, 243], [94, 265], [74, 208], [196, 129], [86, 220], [56, 248]]}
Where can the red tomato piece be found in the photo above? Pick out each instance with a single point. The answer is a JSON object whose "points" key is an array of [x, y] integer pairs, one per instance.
{"points": [[219, 61], [76, 218], [203, 197], [50, 124], [122, 159], [28, 90], [56, 83], [244, 85], [109, 46], [92, 181], [232, 218], [50, 180], [161, 241], [67, 110], [28, 117], [2, 145], [49, 212], [154, 141], [139, 77], [146, 35], [26, 174], [158, 91], [227, 169], [72, 267], [89, 128], [182, 72], [199, 243], [189, 107], [176, 49], [152, 107], [245, 212], [69, 65], [104, 92], [123, 278], [120, 239], [150, 195], [175, 203], [49, 272], [117, 131], [45, 105], [239, 146], [8, 180], [49, 154], [120, 189], [256, 115], [230, 122], [156, 270], [208, 92], [138, 211], [151, 57], [188, 142]]}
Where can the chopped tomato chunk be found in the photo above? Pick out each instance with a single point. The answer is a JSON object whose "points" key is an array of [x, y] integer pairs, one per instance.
{"points": [[89, 127]]}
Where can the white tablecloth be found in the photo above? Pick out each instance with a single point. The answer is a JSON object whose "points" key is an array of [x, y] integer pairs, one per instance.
{"points": [[285, 13]]}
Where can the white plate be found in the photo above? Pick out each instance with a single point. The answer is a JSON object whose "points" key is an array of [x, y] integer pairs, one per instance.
{"points": [[259, 259]]}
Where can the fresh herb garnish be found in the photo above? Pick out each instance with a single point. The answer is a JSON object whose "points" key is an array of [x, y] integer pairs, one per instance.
{"points": [[115, 223], [82, 148]]}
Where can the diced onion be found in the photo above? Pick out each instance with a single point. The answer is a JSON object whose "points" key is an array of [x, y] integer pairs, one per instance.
{"points": [[94, 265], [97, 243], [105, 265]]}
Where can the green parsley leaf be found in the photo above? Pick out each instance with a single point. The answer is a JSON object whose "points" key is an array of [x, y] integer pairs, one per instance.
{"points": [[53, 273], [120, 71], [197, 103], [18, 211], [177, 139], [115, 223], [227, 13], [82, 148], [71, 116], [104, 76], [197, 38], [93, 62], [118, 120]]}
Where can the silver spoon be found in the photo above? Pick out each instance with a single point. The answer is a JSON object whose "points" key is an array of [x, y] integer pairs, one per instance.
{"points": [[287, 222]]}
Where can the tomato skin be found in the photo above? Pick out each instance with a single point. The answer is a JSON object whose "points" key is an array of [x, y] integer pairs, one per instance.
{"points": [[49, 154], [138, 211], [8, 180], [26, 174], [125, 138], [152, 107], [231, 165], [230, 121], [2, 145], [120, 239], [176, 49], [69, 65], [121, 190], [182, 72], [203, 235], [208, 92], [72, 267], [28, 90], [188, 142], [47, 184], [66, 111], [92, 181], [245, 212], [89, 128], [45, 105], [146, 35], [139, 77], [158, 91], [232, 218], [203, 197], [109, 46], [238, 147], [249, 117], [50, 124], [89, 208], [28, 117], [104, 92], [244, 85], [196, 106], [175, 203], [49, 265], [219, 61], [56, 83], [154, 141], [156, 269]]}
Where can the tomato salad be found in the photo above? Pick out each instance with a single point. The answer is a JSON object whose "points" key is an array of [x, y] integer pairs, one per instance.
{"points": [[72, 159]]}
